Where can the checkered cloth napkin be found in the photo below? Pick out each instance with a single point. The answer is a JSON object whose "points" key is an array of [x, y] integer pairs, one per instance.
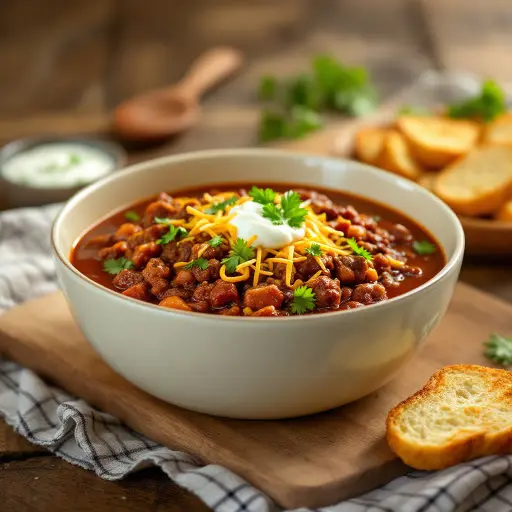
{"points": [[83, 436]]}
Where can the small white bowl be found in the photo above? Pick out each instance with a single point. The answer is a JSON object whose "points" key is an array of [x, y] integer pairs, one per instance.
{"points": [[255, 367]]}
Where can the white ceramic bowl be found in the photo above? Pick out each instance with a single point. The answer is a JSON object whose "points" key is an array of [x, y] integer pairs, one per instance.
{"points": [[255, 367]]}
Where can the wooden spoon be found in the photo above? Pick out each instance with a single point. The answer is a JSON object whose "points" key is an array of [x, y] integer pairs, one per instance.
{"points": [[163, 112]]}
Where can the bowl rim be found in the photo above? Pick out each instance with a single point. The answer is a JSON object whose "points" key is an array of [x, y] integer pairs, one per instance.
{"points": [[253, 153], [16, 146]]}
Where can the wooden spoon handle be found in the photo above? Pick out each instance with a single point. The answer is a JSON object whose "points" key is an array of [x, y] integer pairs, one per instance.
{"points": [[209, 69]]}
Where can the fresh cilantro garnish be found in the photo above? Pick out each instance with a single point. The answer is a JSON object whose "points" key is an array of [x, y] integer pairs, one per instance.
{"points": [[262, 195], [268, 88], [377, 218], [131, 215], [413, 110], [273, 213], [486, 106], [240, 253], [314, 250], [423, 248], [302, 121], [200, 262], [360, 251], [304, 91], [215, 241], [113, 266], [220, 207], [173, 233], [303, 300], [499, 349], [162, 220], [289, 211], [74, 159], [272, 126]]}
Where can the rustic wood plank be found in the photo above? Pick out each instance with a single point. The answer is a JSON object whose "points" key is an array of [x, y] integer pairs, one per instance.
{"points": [[42, 485], [13, 446]]}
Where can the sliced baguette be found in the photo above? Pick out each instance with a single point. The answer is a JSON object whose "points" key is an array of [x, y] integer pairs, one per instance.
{"points": [[428, 180], [499, 131], [479, 183], [463, 412], [368, 144], [396, 157], [505, 212], [438, 141]]}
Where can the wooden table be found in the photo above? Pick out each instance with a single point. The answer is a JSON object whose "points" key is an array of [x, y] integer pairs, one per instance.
{"points": [[66, 64]]}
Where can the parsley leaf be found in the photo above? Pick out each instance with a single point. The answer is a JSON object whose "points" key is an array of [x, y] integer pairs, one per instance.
{"points": [[272, 126], [423, 248], [273, 213], [293, 212], [220, 207], [314, 250], [262, 196], [240, 253], [302, 121], [304, 91], [215, 241], [200, 262], [360, 251], [173, 233], [131, 215], [162, 220], [303, 300], [487, 105], [499, 349], [268, 88], [113, 266]]}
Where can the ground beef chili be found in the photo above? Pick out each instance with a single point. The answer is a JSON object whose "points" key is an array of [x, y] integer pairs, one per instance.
{"points": [[381, 255]]}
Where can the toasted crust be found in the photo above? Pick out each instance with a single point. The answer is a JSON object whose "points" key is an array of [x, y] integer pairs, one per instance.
{"points": [[499, 131], [438, 141], [479, 183], [428, 180], [463, 412], [396, 156], [505, 212], [368, 144]]}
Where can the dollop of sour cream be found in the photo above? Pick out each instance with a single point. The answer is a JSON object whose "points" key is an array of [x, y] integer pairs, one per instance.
{"points": [[58, 164], [249, 221]]}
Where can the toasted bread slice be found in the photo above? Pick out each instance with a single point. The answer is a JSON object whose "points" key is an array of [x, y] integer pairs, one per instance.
{"points": [[505, 212], [479, 183], [499, 131], [428, 180], [463, 412], [396, 156], [438, 141], [368, 144]]}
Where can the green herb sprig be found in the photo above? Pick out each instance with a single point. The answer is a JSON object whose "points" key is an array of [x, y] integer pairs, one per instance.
{"points": [[132, 216], [114, 266], [240, 253], [220, 207], [289, 211], [199, 262], [499, 349], [174, 233], [360, 251], [215, 241], [304, 300], [314, 250], [262, 195], [423, 247]]}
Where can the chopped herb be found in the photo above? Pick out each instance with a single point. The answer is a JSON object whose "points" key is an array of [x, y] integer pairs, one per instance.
{"points": [[423, 248], [268, 88], [131, 215], [272, 126], [173, 233], [293, 212], [262, 195], [215, 241], [377, 218], [240, 253], [304, 91], [74, 159], [499, 349], [114, 266], [162, 220], [302, 121], [486, 106], [220, 207], [360, 251], [200, 262], [289, 211], [303, 300], [413, 110], [314, 250]]}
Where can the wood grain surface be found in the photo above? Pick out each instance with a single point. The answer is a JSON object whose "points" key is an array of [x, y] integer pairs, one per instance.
{"points": [[65, 65], [307, 462]]}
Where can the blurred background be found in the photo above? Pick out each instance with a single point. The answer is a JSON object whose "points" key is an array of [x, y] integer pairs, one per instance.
{"points": [[67, 64]]}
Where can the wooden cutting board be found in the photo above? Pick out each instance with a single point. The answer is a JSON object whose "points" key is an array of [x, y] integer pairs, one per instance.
{"points": [[313, 461]]}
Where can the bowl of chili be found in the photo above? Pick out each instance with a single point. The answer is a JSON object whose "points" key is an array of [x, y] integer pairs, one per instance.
{"points": [[256, 283]]}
